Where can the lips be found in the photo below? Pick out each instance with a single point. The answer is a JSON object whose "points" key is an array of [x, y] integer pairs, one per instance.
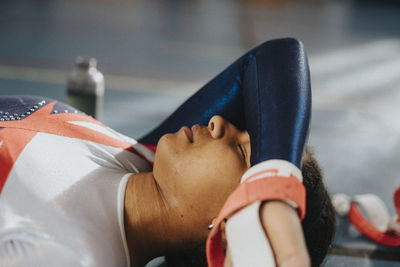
{"points": [[188, 133]]}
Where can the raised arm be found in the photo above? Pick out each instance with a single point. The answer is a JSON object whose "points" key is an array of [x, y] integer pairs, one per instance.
{"points": [[266, 92]]}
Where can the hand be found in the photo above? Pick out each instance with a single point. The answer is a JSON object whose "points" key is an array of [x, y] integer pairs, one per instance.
{"points": [[283, 229]]}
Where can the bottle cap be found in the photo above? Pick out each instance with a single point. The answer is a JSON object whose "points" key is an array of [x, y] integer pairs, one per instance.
{"points": [[85, 63]]}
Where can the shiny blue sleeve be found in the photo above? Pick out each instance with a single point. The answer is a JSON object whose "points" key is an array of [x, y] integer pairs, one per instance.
{"points": [[266, 92]]}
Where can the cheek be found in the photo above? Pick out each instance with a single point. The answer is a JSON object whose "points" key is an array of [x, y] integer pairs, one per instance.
{"points": [[213, 166], [203, 173], [197, 179], [228, 161], [206, 186], [213, 176]]}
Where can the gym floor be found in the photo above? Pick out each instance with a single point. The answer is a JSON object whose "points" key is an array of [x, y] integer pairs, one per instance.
{"points": [[155, 54]]}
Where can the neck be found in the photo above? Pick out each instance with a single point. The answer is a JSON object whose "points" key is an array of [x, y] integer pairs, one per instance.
{"points": [[149, 220]]}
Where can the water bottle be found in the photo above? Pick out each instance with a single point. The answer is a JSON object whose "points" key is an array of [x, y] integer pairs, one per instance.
{"points": [[85, 87]]}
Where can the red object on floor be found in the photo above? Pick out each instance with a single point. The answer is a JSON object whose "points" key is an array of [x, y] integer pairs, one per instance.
{"points": [[369, 230]]}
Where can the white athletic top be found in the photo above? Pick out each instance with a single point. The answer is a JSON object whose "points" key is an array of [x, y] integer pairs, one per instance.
{"points": [[62, 187]]}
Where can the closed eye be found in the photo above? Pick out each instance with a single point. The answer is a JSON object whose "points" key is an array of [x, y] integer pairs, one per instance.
{"points": [[242, 151]]}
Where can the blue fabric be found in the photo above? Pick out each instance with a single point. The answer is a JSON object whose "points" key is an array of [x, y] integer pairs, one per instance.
{"points": [[22, 106], [266, 91]]}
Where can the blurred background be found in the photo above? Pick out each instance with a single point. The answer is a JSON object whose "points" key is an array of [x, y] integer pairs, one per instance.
{"points": [[156, 53]]}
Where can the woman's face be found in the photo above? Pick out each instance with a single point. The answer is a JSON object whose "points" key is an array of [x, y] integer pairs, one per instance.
{"points": [[198, 168]]}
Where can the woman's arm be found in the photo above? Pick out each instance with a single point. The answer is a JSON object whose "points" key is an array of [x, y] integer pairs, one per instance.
{"points": [[283, 230], [266, 91]]}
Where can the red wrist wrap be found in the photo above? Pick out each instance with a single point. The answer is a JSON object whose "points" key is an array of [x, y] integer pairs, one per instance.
{"points": [[270, 188]]}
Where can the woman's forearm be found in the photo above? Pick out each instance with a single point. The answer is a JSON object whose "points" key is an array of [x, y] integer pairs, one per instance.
{"points": [[266, 92], [283, 228]]}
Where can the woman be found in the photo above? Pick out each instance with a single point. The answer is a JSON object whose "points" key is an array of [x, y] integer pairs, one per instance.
{"points": [[74, 192]]}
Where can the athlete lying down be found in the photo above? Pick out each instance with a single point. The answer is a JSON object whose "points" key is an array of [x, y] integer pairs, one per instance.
{"points": [[76, 193]]}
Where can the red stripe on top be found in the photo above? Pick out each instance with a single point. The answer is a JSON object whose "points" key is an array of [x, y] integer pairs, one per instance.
{"points": [[15, 135], [151, 147]]}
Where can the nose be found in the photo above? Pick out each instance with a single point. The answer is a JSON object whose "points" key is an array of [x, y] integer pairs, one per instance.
{"points": [[217, 126], [221, 128]]}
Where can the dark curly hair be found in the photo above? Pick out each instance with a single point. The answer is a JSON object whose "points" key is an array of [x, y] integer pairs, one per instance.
{"points": [[318, 224]]}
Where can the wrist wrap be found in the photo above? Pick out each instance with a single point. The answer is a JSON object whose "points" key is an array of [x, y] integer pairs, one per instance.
{"points": [[269, 180]]}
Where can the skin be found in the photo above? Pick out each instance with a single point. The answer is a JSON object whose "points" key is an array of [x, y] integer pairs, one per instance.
{"points": [[285, 235], [194, 172]]}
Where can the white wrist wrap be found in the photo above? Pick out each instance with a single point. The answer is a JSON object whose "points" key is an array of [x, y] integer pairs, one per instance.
{"points": [[246, 238], [247, 241]]}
